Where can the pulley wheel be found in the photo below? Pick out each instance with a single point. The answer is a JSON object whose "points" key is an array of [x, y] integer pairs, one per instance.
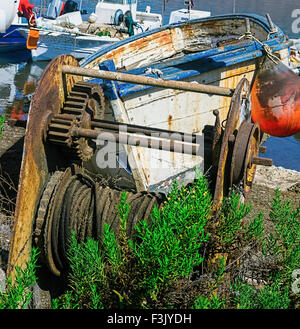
{"points": [[247, 133], [231, 128]]}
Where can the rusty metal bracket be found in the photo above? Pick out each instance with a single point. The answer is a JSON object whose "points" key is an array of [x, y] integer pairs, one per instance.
{"points": [[35, 168]]}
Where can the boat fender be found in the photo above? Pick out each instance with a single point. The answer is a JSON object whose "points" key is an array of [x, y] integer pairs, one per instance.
{"points": [[119, 17], [93, 17], [275, 99]]}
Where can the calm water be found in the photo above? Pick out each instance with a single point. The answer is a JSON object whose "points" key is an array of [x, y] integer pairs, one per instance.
{"points": [[16, 69]]}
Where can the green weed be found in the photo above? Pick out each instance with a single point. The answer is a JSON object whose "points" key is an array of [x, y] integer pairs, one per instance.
{"points": [[183, 250], [18, 293]]}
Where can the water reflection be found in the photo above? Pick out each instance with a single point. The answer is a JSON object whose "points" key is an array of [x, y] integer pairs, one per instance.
{"points": [[18, 79]]}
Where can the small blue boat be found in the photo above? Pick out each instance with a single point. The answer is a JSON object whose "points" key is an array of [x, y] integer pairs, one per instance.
{"points": [[12, 40]]}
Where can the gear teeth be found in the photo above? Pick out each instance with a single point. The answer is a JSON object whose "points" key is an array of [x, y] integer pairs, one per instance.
{"points": [[77, 109], [44, 205]]}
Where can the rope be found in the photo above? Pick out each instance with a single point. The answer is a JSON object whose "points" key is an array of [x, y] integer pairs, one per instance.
{"points": [[85, 205], [5, 35], [266, 48]]}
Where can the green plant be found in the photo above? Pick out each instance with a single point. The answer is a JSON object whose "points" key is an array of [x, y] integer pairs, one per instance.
{"points": [[18, 293], [168, 249], [2, 121], [85, 277], [271, 296], [205, 303], [230, 222]]}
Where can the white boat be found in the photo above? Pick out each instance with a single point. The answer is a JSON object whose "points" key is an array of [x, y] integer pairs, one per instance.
{"points": [[53, 43], [8, 11], [183, 15], [65, 34]]}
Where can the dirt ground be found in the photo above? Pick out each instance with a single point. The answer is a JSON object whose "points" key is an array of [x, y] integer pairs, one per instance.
{"points": [[267, 179]]}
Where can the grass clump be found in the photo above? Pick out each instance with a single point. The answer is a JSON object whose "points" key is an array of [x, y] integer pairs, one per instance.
{"points": [[18, 293], [140, 272], [184, 257]]}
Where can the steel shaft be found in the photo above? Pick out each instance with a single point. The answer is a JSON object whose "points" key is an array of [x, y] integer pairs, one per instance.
{"points": [[142, 141]]}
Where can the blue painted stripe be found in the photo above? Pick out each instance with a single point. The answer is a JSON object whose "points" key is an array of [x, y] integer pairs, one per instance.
{"points": [[197, 67], [250, 45], [191, 65], [202, 66], [129, 89]]}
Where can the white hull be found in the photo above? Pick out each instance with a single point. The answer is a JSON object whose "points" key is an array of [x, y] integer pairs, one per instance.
{"points": [[52, 44], [173, 50], [8, 11]]}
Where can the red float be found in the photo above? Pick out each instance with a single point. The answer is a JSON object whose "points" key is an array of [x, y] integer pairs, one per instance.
{"points": [[275, 99]]}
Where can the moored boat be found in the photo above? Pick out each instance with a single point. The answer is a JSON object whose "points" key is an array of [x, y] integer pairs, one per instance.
{"points": [[12, 40], [126, 125], [66, 33], [217, 51]]}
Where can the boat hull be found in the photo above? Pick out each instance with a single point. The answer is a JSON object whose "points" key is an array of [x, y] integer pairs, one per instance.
{"points": [[12, 40], [52, 44], [175, 52]]}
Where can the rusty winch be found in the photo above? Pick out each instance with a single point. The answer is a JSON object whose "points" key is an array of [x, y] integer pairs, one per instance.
{"points": [[59, 190]]}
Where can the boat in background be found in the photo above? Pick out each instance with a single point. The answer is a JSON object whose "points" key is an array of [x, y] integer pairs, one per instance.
{"points": [[63, 32], [12, 40]]}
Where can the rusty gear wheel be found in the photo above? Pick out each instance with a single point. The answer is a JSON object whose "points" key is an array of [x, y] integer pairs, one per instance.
{"points": [[84, 103], [43, 209]]}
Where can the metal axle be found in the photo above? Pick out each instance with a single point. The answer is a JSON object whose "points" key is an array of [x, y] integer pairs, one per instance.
{"points": [[142, 141]]}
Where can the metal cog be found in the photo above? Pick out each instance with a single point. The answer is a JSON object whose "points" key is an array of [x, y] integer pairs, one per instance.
{"points": [[84, 103], [44, 206]]}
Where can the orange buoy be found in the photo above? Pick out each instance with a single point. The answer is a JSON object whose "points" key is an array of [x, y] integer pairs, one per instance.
{"points": [[32, 39], [275, 99]]}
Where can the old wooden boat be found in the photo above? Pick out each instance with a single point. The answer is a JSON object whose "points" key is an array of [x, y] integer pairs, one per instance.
{"points": [[213, 51], [137, 116]]}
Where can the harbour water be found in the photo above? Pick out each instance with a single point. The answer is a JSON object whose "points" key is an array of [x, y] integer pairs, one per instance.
{"points": [[16, 69]]}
